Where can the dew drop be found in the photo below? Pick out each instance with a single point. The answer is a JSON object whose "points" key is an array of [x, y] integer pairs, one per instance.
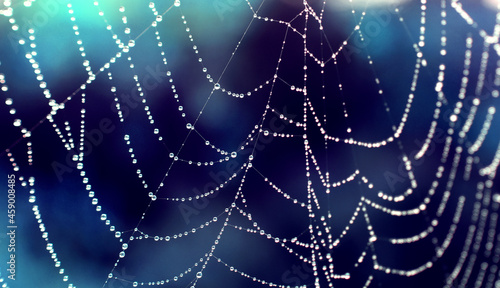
{"points": [[233, 154], [199, 275]]}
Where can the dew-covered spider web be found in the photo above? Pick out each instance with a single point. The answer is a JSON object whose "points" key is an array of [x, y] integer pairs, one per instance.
{"points": [[251, 143]]}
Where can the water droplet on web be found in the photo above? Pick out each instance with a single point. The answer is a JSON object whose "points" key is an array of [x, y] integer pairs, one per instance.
{"points": [[217, 86], [17, 122], [199, 275], [124, 246], [233, 154], [177, 3], [8, 101], [189, 126], [122, 254], [159, 18]]}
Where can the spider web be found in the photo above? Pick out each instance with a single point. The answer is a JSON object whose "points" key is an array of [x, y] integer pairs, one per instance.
{"points": [[252, 143]]}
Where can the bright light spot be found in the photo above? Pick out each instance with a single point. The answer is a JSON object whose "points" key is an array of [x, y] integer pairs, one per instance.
{"points": [[346, 4], [7, 12], [492, 4]]}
